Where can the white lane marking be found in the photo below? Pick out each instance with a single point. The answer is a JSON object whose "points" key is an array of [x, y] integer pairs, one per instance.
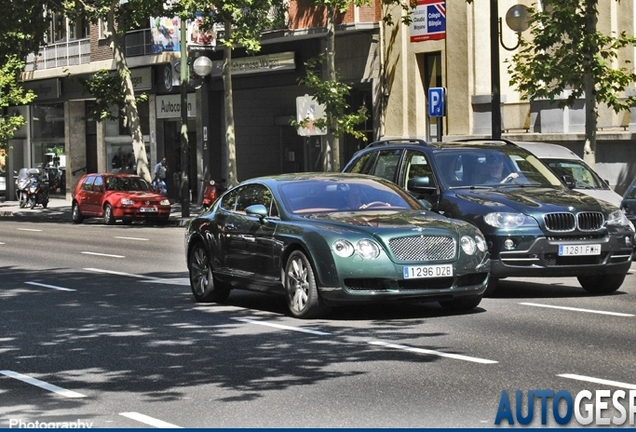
{"points": [[29, 229], [432, 352], [598, 381], [148, 420], [149, 279], [131, 238], [42, 384], [579, 309], [282, 327], [1, 243], [92, 269], [102, 254], [50, 286]]}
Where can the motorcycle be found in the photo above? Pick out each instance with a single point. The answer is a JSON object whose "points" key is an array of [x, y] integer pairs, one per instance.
{"points": [[32, 188], [211, 192]]}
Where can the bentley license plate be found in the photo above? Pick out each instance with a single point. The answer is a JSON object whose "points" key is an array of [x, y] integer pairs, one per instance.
{"points": [[579, 250], [432, 271], [148, 209]]}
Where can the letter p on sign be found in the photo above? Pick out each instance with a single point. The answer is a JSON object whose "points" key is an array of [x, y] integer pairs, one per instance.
{"points": [[437, 102]]}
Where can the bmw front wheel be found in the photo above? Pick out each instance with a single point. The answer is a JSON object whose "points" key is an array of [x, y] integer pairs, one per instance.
{"points": [[301, 292], [204, 285], [602, 283]]}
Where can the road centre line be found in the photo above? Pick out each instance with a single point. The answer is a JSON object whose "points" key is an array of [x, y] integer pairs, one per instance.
{"points": [[598, 381], [149, 279], [29, 229], [50, 286], [578, 309], [102, 254], [149, 420], [282, 327], [131, 238], [432, 352], [380, 343], [116, 273], [42, 384]]}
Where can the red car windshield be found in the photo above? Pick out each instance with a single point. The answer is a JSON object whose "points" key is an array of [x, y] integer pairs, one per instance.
{"points": [[127, 184]]}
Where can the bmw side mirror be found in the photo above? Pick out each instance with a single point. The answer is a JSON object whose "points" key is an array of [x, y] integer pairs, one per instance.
{"points": [[421, 185], [569, 181], [258, 210]]}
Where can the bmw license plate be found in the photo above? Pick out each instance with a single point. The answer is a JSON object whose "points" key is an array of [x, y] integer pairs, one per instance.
{"points": [[432, 271], [148, 209], [579, 250]]}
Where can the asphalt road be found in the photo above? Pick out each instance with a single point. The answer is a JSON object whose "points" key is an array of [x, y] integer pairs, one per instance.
{"points": [[99, 328]]}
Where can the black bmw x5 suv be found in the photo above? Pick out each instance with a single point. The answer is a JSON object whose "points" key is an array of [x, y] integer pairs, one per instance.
{"points": [[535, 225]]}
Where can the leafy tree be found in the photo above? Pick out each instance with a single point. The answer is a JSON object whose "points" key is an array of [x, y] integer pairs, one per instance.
{"points": [[332, 94], [330, 91], [568, 54], [24, 26], [12, 94], [119, 17], [243, 22]]}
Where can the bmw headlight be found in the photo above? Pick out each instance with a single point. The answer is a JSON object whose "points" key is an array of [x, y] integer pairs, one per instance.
{"points": [[368, 249], [508, 220], [126, 201], [342, 248], [618, 218]]}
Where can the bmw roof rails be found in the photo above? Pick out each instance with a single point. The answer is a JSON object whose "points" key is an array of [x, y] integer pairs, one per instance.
{"points": [[397, 141], [486, 140]]}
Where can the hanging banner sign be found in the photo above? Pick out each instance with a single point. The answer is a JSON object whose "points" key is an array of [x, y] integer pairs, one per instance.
{"points": [[428, 20]]}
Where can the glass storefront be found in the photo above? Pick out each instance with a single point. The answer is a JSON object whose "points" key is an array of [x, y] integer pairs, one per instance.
{"points": [[119, 151], [48, 151]]}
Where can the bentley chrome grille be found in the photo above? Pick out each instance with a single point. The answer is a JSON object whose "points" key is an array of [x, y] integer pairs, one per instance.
{"points": [[423, 248], [585, 221]]}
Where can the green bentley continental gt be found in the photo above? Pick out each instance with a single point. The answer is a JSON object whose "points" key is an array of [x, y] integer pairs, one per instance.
{"points": [[329, 239]]}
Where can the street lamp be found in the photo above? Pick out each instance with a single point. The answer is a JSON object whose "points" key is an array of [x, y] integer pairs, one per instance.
{"points": [[517, 20]]}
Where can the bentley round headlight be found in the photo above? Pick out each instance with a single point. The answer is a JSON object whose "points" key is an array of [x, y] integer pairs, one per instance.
{"points": [[481, 243], [368, 249], [468, 245], [343, 248]]}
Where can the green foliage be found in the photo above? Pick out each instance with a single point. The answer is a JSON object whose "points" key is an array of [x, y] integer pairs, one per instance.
{"points": [[249, 18], [565, 47], [107, 87], [332, 94], [12, 95]]}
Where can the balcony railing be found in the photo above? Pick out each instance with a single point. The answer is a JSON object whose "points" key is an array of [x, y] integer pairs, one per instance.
{"points": [[60, 55]]}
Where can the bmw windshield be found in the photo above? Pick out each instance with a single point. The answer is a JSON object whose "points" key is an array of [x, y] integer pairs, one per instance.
{"points": [[483, 167]]}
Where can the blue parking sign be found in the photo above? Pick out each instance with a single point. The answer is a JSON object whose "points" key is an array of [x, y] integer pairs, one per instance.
{"points": [[436, 102]]}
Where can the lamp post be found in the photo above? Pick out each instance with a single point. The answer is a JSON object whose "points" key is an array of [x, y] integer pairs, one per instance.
{"points": [[517, 20], [185, 144]]}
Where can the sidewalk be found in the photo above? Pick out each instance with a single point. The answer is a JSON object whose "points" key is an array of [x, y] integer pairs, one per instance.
{"points": [[59, 210]]}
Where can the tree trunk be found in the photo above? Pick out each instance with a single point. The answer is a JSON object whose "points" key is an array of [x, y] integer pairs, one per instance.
{"points": [[591, 115], [230, 136], [332, 139], [132, 113]]}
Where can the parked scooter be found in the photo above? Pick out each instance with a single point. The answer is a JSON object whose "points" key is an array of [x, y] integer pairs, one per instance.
{"points": [[22, 182], [211, 192], [32, 188]]}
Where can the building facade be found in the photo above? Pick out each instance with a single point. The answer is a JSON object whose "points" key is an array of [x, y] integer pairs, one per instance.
{"points": [[389, 67]]}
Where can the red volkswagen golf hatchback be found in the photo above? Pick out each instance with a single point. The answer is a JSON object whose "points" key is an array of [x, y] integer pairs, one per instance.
{"points": [[125, 197]]}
